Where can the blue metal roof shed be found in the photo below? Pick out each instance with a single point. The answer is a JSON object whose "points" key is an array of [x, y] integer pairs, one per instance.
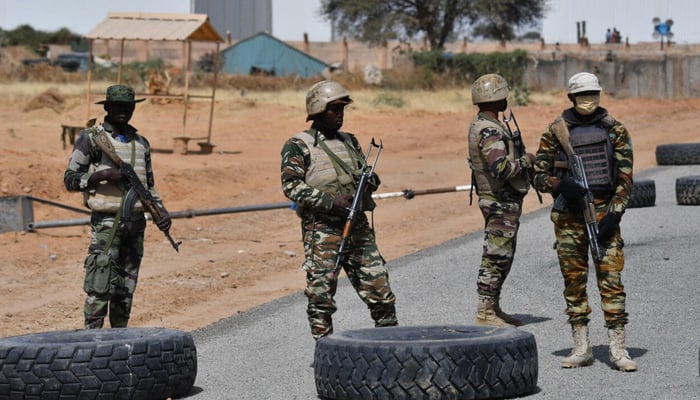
{"points": [[265, 54]]}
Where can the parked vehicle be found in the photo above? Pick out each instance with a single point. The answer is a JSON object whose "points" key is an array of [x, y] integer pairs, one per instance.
{"points": [[72, 62]]}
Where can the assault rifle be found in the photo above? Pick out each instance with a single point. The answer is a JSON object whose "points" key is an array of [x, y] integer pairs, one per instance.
{"points": [[578, 175], [520, 145], [355, 208], [136, 187]]}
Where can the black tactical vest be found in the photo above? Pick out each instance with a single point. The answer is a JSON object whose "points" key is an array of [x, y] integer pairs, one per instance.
{"points": [[592, 143]]}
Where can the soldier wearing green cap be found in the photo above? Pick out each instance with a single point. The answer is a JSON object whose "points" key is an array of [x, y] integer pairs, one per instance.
{"points": [[117, 230]]}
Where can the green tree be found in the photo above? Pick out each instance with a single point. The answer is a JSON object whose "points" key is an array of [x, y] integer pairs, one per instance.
{"points": [[498, 19], [26, 35], [435, 20]]}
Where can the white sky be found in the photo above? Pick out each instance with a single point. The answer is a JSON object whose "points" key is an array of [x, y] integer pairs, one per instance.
{"points": [[290, 18], [631, 17]]}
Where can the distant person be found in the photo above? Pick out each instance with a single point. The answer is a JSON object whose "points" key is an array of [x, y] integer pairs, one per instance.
{"points": [[608, 36], [116, 244], [319, 172], [500, 176], [615, 38], [605, 147]]}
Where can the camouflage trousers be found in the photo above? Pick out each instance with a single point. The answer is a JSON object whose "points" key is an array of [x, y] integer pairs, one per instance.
{"points": [[573, 252], [501, 224], [363, 265], [127, 251]]}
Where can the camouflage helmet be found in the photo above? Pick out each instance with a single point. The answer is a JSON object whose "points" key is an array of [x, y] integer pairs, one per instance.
{"points": [[584, 82], [488, 88], [323, 93]]}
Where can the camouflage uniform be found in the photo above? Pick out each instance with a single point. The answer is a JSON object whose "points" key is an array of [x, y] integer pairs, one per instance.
{"points": [[570, 229], [498, 174], [321, 232], [126, 249]]}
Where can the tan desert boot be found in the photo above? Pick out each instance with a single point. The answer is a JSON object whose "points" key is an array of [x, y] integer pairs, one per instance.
{"points": [[618, 354], [486, 313], [581, 355]]}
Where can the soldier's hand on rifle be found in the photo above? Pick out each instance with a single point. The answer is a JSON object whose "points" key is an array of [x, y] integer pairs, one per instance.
{"points": [[527, 163], [109, 175], [573, 194], [342, 204], [533, 159], [607, 227], [165, 223]]}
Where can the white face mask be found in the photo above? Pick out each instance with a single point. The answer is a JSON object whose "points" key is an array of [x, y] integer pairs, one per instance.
{"points": [[587, 104]]}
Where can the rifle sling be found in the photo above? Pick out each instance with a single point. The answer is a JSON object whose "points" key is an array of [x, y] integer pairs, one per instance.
{"points": [[124, 208]]}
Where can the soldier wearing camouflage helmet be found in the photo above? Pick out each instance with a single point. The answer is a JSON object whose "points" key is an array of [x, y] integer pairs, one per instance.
{"points": [[499, 175], [605, 148], [116, 244], [319, 172]]}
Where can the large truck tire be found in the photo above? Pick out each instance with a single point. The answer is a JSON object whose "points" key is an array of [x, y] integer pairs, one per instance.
{"points": [[678, 154], [426, 362], [118, 363], [688, 190], [643, 193]]}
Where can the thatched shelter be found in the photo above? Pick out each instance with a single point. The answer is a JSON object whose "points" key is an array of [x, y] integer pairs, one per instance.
{"points": [[185, 28]]}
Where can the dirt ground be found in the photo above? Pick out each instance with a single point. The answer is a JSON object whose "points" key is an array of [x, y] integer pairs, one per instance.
{"points": [[229, 263]]}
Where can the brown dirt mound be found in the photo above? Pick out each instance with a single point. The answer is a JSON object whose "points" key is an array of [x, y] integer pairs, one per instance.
{"points": [[51, 98]]}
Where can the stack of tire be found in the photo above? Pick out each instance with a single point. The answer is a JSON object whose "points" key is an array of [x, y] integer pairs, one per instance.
{"points": [[643, 193], [687, 187]]}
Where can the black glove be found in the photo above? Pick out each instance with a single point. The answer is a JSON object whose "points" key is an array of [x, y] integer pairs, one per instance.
{"points": [[165, 223], [573, 194], [342, 204], [608, 227], [373, 182]]}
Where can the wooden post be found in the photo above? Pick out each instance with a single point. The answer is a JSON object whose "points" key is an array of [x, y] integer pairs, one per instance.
{"points": [[121, 62], [188, 51], [383, 61], [213, 92], [346, 58], [306, 43], [89, 81]]}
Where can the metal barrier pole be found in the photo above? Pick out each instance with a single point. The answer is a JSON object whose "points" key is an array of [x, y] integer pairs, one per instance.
{"points": [[407, 193], [176, 214]]}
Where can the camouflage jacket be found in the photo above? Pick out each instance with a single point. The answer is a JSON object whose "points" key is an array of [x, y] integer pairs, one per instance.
{"points": [[294, 166], [87, 153], [496, 164], [621, 141]]}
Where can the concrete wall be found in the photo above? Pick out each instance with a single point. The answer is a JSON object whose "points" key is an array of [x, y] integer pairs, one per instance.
{"points": [[627, 71], [656, 76]]}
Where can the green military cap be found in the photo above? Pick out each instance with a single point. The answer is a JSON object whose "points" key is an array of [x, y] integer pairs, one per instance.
{"points": [[120, 94]]}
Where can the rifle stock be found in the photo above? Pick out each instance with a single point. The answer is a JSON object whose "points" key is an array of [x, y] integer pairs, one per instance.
{"points": [[355, 208]]}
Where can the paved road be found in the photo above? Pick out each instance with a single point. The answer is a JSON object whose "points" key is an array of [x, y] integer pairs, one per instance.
{"points": [[265, 354]]}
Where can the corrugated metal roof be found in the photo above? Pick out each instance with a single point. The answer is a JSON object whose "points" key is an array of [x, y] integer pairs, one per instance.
{"points": [[267, 53], [155, 26]]}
